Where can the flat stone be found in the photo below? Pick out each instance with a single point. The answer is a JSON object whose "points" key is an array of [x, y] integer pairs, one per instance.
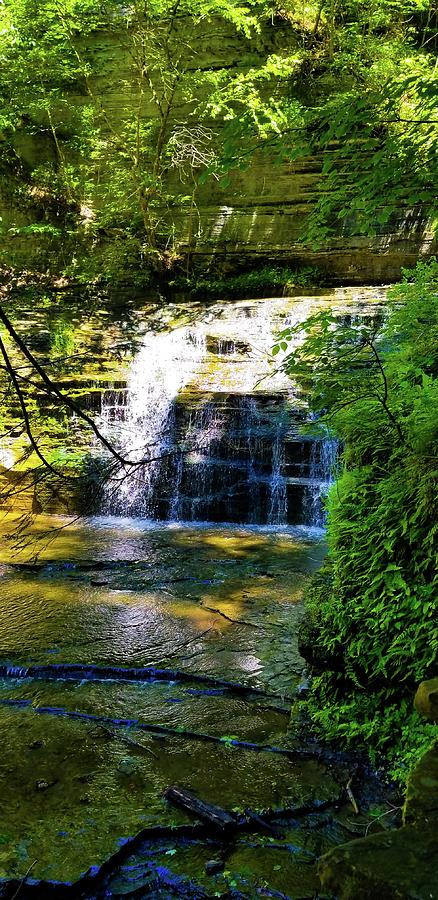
{"points": [[399, 865], [127, 766], [213, 866], [426, 699], [42, 785]]}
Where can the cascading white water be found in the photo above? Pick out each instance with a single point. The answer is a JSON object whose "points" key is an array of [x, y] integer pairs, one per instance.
{"points": [[216, 431], [277, 514], [322, 472], [165, 363]]}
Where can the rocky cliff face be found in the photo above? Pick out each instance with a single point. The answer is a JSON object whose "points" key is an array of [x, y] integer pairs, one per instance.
{"points": [[257, 216]]}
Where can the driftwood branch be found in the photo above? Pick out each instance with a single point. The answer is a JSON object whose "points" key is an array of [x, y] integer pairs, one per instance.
{"points": [[212, 815]]}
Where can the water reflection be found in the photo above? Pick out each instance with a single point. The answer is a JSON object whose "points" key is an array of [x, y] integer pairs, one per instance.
{"points": [[208, 599], [205, 601]]}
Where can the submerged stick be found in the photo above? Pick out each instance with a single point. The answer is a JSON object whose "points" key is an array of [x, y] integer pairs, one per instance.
{"points": [[81, 672], [351, 796], [312, 752], [23, 880], [127, 740]]}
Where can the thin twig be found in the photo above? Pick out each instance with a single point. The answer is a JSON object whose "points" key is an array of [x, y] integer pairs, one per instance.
{"points": [[351, 796], [128, 740], [24, 879]]}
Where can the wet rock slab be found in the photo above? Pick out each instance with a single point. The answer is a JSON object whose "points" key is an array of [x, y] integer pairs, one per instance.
{"points": [[89, 744], [99, 792]]}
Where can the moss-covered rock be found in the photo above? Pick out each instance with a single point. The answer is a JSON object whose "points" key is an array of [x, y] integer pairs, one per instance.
{"points": [[399, 865], [421, 805], [395, 866], [426, 699]]}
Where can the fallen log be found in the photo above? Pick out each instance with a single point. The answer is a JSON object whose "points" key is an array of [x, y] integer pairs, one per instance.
{"points": [[212, 815]]}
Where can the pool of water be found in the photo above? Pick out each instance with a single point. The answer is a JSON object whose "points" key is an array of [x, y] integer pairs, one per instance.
{"points": [[135, 657]]}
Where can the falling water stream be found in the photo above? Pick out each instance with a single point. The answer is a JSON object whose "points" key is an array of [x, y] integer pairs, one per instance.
{"points": [[155, 643], [221, 428]]}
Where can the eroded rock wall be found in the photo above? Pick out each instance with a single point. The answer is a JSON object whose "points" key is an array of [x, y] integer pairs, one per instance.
{"points": [[258, 216]]}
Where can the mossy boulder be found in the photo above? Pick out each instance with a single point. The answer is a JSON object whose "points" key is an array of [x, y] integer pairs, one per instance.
{"points": [[399, 865], [426, 699], [421, 804], [395, 865]]}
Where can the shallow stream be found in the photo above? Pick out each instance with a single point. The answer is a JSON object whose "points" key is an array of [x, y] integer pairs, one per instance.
{"points": [[207, 605]]}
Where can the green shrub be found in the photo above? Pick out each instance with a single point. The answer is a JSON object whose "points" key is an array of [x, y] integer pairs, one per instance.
{"points": [[375, 609], [254, 283]]}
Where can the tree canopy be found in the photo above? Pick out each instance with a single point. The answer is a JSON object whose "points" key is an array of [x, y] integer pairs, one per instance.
{"points": [[351, 83]]}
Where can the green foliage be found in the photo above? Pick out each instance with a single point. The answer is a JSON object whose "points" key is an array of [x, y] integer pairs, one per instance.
{"points": [[62, 339], [378, 146], [375, 386], [352, 83], [256, 282], [369, 112], [104, 173], [385, 728], [36, 228], [72, 462]]}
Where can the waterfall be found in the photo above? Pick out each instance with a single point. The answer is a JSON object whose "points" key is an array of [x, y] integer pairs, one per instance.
{"points": [[232, 468], [142, 431], [277, 514], [322, 471], [217, 433]]}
